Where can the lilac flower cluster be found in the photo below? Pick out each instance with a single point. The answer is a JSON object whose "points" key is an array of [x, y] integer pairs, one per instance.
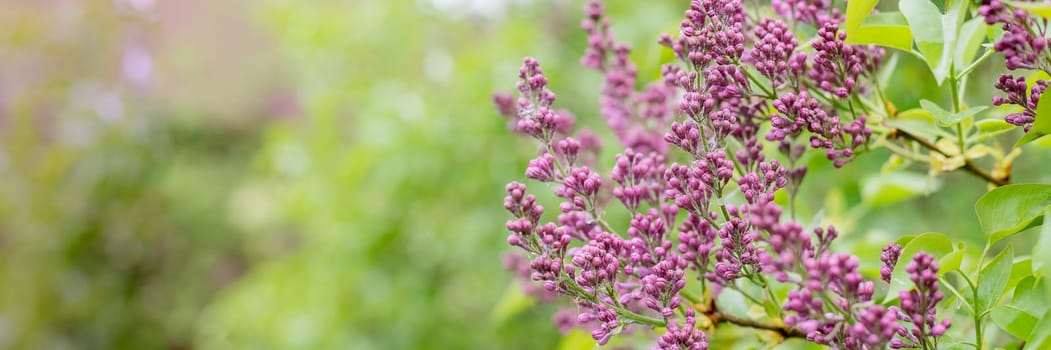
{"points": [[711, 108], [918, 306], [1024, 45], [1016, 95], [635, 117]]}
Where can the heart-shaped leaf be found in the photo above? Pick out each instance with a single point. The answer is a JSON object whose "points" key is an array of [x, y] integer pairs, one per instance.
{"points": [[1009, 209]]}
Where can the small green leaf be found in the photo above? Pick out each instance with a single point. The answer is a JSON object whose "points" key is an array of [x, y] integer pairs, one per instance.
{"points": [[924, 20], [1040, 338], [889, 29], [1009, 209], [970, 40], [918, 122], [946, 118], [1022, 268], [936, 110], [857, 12], [1029, 296], [992, 280], [1037, 8], [1041, 258], [1014, 320], [892, 36], [1042, 124], [933, 243], [988, 128], [890, 188], [950, 262]]}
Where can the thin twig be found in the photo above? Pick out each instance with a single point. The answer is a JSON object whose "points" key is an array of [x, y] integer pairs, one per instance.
{"points": [[969, 166]]}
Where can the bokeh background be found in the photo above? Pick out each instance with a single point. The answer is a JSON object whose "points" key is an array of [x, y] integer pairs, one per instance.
{"points": [[323, 174]]}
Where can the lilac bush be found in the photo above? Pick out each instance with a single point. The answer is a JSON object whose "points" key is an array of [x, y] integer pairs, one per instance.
{"points": [[703, 152]]}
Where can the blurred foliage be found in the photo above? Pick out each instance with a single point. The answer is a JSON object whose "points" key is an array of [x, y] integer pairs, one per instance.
{"points": [[327, 174]]}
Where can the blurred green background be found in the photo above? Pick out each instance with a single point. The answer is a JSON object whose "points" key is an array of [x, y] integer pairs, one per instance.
{"points": [[322, 174]]}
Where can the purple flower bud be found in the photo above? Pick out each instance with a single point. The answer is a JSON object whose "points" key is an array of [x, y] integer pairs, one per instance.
{"points": [[684, 337], [542, 168], [889, 257]]}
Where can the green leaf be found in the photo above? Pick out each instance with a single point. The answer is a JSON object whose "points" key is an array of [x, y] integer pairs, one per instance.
{"points": [[889, 29], [1040, 338], [890, 188], [946, 118], [1029, 296], [1037, 8], [895, 37], [918, 122], [924, 20], [577, 339], [1042, 124], [1020, 269], [928, 28], [950, 262], [1013, 319], [1009, 209], [1041, 258], [936, 110], [971, 37], [988, 128], [992, 280], [857, 12], [933, 243]]}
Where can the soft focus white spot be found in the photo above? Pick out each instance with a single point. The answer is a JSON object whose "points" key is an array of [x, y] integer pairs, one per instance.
{"points": [[493, 9], [411, 107], [76, 132], [438, 65], [109, 107], [137, 65], [140, 5], [291, 159]]}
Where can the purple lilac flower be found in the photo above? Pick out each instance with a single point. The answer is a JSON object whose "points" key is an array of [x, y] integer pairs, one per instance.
{"points": [[565, 320], [837, 65], [596, 265], [760, 186], [1016, 95], [738, 255], [580, 190], [640, 178], [662, 285], [830, 272], [686, 136], [607, 319], [600, 38], [696, 241], [685, 337], [527, 214], [790, 245], [519, 265], [712, 32], [542, 168], [531, 114], [692, 187], [805, 11], [773, 49], [889, 257], [875, 327], [919, 305], [647, 242]]}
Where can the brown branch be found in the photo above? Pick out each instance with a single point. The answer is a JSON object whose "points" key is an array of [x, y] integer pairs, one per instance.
{"points": [[968, 165], [715, 316]]}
